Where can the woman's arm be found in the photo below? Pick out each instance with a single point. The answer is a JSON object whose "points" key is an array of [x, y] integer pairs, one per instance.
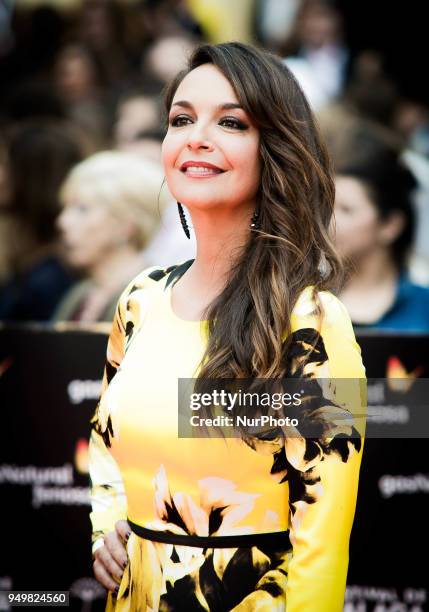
{"points": [[108, 498], [320, 535], [107, 490], [110, 530], [321, 524]]}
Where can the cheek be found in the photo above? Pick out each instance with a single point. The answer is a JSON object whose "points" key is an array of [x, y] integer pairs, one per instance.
{"points": [[169, 153], [94, 244], [95, 230], [365, 228], [170, 150], [355, 235], [245, 160], [109, 233], [244, 152], [88, 232]]}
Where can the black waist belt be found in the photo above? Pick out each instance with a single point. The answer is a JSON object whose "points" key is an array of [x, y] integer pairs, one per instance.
{"points": [[277, 539]]}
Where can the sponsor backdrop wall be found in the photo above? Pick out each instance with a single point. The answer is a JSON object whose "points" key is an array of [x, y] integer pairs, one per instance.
{"points": [[49, 385]]}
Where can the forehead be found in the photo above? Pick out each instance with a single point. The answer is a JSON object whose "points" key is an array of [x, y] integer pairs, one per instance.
{"points": [[352, 189], [205, 84], [79, 192]]}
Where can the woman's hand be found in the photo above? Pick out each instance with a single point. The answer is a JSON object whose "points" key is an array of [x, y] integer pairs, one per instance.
{"points": [[111, 559]]}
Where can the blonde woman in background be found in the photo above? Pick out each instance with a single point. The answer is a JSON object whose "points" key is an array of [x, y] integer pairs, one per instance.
{"points": [[112, 205]]}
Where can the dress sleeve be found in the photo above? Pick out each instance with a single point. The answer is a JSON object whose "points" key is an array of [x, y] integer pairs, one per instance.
{"points": [[108, 499], [322, 499]]}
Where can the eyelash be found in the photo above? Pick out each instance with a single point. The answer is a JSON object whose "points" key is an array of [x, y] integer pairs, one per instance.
{"points": [[238, 124]]}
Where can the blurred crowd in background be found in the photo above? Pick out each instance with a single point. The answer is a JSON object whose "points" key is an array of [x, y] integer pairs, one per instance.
{"points": [[83, 202]]}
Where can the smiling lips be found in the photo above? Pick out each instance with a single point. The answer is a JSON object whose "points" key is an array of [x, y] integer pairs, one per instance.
{"points": [[194, 169]]}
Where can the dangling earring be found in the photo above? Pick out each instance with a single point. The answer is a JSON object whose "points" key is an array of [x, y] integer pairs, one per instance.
{"points": [[183, 220], [254, 221]]}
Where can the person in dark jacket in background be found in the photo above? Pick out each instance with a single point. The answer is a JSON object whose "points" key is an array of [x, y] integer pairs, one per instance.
{"points": [[375, 222]]}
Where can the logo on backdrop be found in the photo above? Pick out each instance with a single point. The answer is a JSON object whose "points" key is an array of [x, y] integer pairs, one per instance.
{"points": [[403, 485], [51, 485], [81, 390], [399, 379], [381, 599], [87, 590]]}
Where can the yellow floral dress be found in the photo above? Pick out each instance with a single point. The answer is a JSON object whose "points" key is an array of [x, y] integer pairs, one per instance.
{"points": [[221, 524]]}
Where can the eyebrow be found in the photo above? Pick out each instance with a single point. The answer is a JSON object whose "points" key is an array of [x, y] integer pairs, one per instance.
{"points": [[225, 106]]}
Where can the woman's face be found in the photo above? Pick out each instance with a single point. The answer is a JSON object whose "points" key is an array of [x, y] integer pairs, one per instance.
{"points": [[357, 224], [89, 231], [211, 150]]}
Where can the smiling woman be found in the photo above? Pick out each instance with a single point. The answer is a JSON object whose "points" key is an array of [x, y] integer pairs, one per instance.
{"points": [[253, 522], [210, 136]]}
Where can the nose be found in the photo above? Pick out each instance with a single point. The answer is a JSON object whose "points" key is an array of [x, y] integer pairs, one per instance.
{"points": [[198, 139], [60, 221], [63, 221]]}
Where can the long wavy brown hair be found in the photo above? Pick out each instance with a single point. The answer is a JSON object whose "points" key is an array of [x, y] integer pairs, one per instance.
{"points": [[250, 321]]}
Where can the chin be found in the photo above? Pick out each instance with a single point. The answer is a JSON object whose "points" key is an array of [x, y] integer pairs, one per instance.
{"points": [[206, 197], [200, 190], [203, 203], [78, 264]]}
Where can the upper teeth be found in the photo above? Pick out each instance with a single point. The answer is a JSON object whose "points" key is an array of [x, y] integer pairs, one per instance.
{"points": [[201, 169]]}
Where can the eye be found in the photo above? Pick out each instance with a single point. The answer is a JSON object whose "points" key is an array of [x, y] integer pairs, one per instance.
{"points": [[345, 208], [179, 120], [81, 209], [234, 123]]}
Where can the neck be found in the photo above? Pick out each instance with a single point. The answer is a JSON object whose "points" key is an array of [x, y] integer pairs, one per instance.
{"points": [[220, 239], [116, 268]]}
